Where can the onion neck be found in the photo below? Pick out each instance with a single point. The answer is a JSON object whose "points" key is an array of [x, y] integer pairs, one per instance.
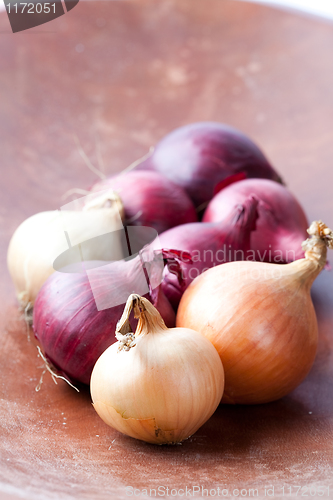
{"points": [[315, 247], [110, 199], [243, 222], [150, 320]]}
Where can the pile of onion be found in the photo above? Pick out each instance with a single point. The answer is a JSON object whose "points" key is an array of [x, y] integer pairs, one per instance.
{"points": [[281, 225], [150, 199], [239, 311], [204, 157], [160, 384], [261, 319]]}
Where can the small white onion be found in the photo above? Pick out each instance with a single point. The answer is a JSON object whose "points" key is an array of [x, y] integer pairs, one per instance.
{"points": [[159, 385], [40, 239]]}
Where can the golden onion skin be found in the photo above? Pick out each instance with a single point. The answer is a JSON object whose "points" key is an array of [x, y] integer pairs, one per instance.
{"points": [[162, 389], [261, 320]]}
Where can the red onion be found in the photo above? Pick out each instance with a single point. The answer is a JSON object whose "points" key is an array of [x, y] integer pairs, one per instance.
{"points": [[203, 157], [150, 199], [281, 226], [209, 244], [73, 333]]}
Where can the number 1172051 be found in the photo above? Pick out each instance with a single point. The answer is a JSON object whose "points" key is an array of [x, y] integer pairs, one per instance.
{"points": [[305, 491], [31, 8]]}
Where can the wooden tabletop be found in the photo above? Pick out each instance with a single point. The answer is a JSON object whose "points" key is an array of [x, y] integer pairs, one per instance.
{"points": [[110, 79]]}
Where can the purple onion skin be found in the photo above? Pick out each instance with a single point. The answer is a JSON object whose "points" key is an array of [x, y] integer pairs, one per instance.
{"points": [[201, 157], [209, 244], [281, 226], [70, 329], [150, 199]]}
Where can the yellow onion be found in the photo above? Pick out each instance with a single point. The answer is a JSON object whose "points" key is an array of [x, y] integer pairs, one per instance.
{"points": [[158, 385], [261, 319], [40, 239]]}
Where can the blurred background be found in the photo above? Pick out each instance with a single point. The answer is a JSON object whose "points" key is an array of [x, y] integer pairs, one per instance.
{"points": [[323, 8]]}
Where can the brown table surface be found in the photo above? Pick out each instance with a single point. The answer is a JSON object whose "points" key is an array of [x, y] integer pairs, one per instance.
{"points": [[114, 77]]}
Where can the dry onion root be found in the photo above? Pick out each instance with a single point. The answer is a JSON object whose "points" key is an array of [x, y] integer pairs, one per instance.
{"points": [[158, 385], [261, 319]]}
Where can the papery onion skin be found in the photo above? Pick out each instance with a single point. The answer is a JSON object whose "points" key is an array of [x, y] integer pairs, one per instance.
{"points": [[257, 334], [71, 330], [209, 244], [261, 319], [150, 199], [281, 225], [162, 389], [201, 155]]}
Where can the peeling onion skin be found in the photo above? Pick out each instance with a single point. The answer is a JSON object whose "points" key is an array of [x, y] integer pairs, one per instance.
{"points": [[150, 199], [201, 155], [281, 225], [162, 389], [72, 332], [261, 319]]}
